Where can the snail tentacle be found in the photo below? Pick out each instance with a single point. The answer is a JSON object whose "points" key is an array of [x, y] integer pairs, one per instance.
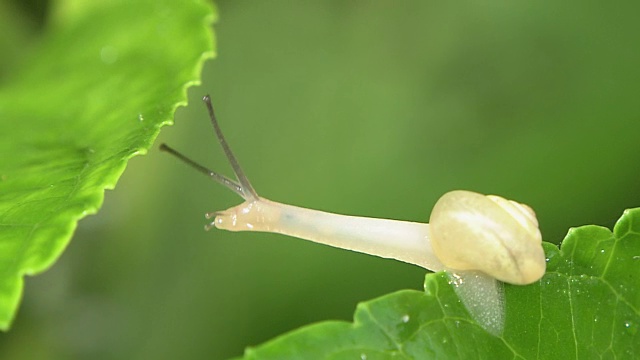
{"points": [[247, 190]]}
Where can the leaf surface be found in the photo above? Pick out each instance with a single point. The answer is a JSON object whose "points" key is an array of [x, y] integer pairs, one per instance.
{"points": [[93, 92], [586, 306]]}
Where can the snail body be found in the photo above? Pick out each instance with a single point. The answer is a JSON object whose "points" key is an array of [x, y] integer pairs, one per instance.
{"points": [[477, 239], [394, 239]]}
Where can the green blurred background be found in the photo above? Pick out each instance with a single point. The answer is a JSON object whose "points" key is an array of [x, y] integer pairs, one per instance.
{"points": [[366, 108]]}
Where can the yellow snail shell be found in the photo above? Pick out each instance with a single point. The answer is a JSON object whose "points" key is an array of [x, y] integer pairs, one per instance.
{"points": [[471, 231]]}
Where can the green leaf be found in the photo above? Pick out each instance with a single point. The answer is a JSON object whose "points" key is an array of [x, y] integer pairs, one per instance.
{"points": [[586, 306], [103, 79]]}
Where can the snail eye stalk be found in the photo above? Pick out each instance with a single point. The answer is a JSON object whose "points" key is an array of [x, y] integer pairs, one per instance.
{"points": [[247, 189], [242, 187]]}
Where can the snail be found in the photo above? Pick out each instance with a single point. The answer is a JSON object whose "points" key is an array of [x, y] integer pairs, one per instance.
{"points": [[479, 240]]}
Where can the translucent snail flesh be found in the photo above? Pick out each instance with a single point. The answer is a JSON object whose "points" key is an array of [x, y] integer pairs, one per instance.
{"points": [[477, 239]]}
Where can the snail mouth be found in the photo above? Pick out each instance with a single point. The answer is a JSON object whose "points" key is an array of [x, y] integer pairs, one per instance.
{"points": [[212, 215], [224, 220], [246, 216]]}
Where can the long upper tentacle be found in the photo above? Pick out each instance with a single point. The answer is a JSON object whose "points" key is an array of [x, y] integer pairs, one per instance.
{"points": [[242, 187], [245, 186], [234, 186]]}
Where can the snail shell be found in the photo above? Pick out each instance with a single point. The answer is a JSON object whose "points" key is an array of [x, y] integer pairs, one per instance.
{"points": [[500, 237]]}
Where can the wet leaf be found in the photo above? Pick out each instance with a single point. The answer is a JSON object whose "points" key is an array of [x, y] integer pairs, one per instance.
{"points": [[94, 91], [586, 306]]}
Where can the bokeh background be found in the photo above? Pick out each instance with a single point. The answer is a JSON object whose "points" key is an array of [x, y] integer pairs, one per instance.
{"points": [[358, 107]]}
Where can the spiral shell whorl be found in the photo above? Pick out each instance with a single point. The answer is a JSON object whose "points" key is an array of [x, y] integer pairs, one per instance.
{"points": [[522, 213], [471, 231]]}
